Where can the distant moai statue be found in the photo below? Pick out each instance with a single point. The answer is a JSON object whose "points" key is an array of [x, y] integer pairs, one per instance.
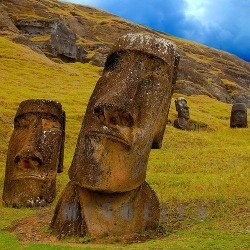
{"points": [[125, 118], [183, 114], [238, 116], [35, 154]]}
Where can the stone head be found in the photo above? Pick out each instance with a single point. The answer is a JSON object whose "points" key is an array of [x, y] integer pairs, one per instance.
{"points": [[238, 116], [182, 107], [35, 153], [126, 115]]}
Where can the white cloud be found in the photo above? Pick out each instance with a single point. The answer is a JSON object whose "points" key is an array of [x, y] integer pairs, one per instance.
{"points": [[223, 24], [196, 8]]}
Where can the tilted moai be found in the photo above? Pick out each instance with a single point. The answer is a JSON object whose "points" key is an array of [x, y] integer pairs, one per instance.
{"points": [[183, 114], [238, 116], [125, 118], [35, 154]]}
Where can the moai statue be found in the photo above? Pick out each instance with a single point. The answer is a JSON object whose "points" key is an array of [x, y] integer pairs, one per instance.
{"points": [[238, 116], [183, 114], [125, 118], [35, 154]]}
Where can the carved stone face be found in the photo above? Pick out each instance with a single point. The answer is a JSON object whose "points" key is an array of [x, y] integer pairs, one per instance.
{"points": [[35, 154], [126, 115], [182, 108], [238, 116]]}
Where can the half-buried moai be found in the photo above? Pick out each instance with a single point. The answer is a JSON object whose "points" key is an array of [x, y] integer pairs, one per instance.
{"points": [[125, 118], [35, 154], [183, 114], [238, 116]]}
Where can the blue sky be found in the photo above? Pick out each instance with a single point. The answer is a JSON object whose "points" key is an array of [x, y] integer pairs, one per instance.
{"points": [[222, 24]]}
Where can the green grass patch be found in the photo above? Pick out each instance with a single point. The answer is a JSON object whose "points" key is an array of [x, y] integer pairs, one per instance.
{"points": [[40, 38], [209, 166], [232, 87]]}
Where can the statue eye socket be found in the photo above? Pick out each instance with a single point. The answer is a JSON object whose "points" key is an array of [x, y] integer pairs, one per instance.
{"points": [[48, 124], [21, 123]]}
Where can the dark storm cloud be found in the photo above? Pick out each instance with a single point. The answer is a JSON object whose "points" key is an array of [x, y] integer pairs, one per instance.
{"points": [[222, 24]]}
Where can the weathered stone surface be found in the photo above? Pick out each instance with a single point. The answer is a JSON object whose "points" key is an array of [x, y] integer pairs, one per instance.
{"points": [[183, 114], [98, 59], [21, 39], [36, 27], [189, 88], [238, 116], [6, 24], [81, 212], [62, 43], [182, 107], [81, 53], [181, 123], [242, 98], [35, 154], [125, 118], [126, 115]]}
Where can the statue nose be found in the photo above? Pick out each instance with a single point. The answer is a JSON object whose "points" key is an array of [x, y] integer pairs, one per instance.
{"points": [[29, 158], [110, 114], [32, 141]]}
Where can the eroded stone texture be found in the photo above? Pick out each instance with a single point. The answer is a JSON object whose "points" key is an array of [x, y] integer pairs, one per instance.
{"points": [[35, 154], [80, 211], [183, 114], [125, 118], [37, 27], [6, 24], [238, 116], [126, 115], [62, 43]]}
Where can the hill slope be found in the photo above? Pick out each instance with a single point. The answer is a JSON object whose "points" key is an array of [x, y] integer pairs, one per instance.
{"points": [[90, 33], [201, 168]]}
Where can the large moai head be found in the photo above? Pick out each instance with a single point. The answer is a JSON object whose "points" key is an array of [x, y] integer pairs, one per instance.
{"points": [[35, 153], [238, 116], [126, 115], [182, 108]]}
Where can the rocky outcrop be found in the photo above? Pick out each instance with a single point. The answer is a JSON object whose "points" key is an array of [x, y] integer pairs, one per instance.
{"points": [[21, 39], [6, 24], [62, 42], [75, 30], [35, 27], [242, 98], [98, 59]]}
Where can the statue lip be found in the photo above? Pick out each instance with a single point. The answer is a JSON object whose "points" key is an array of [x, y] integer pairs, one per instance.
{"points": [[111, 136]]}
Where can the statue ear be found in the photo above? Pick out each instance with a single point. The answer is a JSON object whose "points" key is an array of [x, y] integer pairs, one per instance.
{"points": [[157, 142], [61, 155]]}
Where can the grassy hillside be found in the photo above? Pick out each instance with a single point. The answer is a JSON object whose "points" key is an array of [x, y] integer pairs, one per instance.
{"points": [[207, 167], [202, 70]]}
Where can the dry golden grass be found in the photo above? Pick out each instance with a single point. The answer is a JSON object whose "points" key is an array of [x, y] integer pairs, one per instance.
{"points": [[208, 166]]}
